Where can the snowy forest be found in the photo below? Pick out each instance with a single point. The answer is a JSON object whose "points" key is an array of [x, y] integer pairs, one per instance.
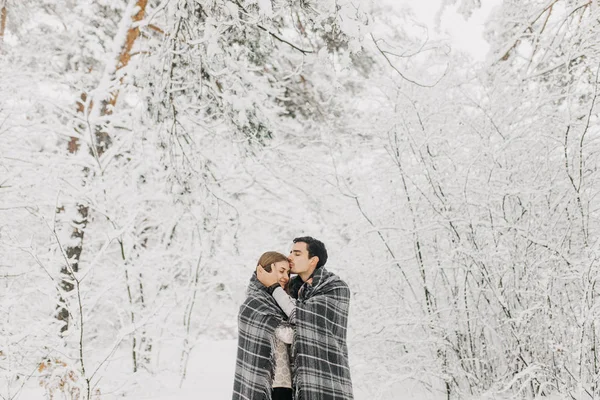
{"points": [[151, 150]]}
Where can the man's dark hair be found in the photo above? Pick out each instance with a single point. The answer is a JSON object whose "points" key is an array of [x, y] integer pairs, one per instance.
{"points": [[315, 248]]}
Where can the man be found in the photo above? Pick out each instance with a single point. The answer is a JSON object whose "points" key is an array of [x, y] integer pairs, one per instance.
{"points": [[318, 307]]}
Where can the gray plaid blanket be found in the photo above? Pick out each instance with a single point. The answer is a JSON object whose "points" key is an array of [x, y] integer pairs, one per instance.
{"points": [[321, 370], [258, 317]]}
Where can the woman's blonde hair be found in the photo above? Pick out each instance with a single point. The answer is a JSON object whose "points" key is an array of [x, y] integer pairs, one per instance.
{"points": [[270, 257]]}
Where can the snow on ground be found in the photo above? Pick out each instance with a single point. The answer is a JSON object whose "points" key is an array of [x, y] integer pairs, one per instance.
{"points": [[210, 376]]}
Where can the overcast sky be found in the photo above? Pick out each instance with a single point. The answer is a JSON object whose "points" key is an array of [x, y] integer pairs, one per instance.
{"points": [[466, 35]]}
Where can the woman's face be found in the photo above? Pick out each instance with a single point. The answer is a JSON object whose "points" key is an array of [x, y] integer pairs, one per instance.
{"points": [[283, 272]]}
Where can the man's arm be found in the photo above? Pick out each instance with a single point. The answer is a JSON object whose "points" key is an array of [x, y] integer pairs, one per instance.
{"points": [[286, 302], [328, 309]]}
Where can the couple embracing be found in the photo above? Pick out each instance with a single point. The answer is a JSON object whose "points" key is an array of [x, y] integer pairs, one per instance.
{"points": [[292, 332]]}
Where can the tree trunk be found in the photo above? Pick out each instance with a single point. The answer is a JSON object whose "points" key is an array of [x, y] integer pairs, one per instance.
{"points": [[132, 34], [3, 13], [102, 143]]}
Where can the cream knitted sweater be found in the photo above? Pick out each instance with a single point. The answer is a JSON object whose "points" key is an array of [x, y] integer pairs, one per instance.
{"points": [[284, 335]]}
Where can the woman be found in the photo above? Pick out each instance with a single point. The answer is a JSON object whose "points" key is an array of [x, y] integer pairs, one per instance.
{"points": [[262, 368]]}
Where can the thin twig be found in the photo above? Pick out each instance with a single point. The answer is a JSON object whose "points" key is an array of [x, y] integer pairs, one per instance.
{"points": [[384, 54], [303, 51]]}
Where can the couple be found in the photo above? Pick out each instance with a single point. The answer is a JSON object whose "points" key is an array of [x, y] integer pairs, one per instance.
{"points": [[292, 332]]}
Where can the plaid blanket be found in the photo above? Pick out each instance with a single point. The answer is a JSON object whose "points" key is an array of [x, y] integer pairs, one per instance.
{"points": [[258, 317], [321, 370]]}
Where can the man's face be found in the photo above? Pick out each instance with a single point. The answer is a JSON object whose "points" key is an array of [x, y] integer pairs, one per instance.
{"points": [[299, 261]]}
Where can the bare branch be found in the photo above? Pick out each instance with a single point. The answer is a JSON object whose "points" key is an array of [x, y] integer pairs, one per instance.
{"points": [[384, 54], [303, 51]]}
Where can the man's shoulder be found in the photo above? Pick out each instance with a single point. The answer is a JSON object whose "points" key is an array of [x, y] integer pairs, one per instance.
{"points": [[334, 278], [335, 283]]}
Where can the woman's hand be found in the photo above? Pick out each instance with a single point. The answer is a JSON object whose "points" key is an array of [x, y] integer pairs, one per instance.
{"points": [[267, 278]]}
